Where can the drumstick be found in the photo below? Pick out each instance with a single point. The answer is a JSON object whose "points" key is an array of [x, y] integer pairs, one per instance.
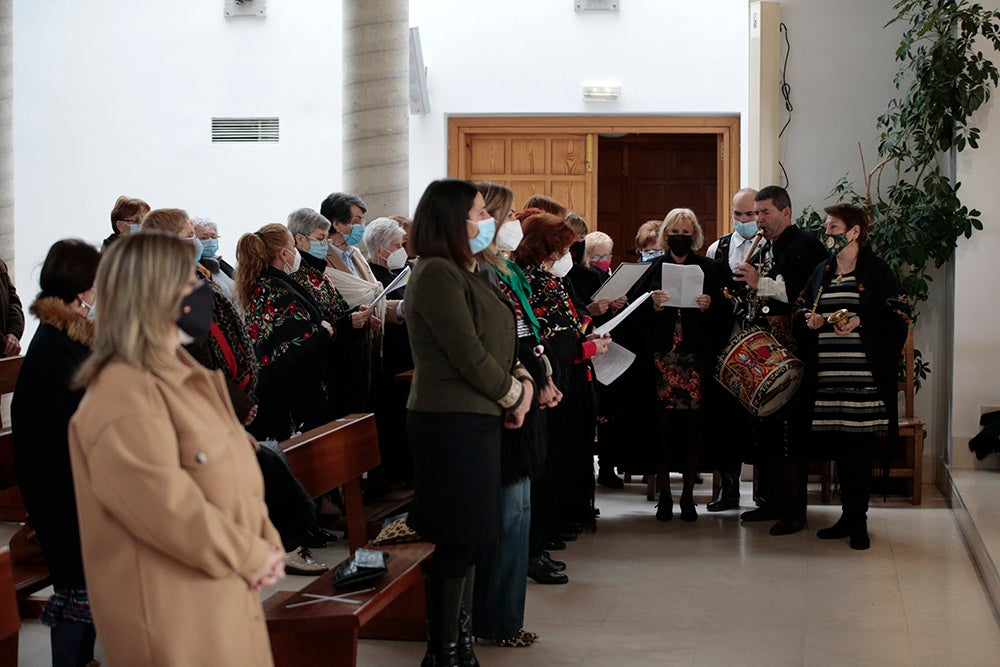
{"points": [[753, 247]]}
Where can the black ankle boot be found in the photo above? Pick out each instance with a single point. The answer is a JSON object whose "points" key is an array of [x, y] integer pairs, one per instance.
{"points": [[688, 512], [836, 531], [789, 524], [860, 539], [728, 497]]}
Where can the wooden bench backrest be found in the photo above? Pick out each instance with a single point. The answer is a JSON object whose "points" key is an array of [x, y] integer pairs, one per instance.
{"points": [[337, 454], [9, 368], [10, 619]]}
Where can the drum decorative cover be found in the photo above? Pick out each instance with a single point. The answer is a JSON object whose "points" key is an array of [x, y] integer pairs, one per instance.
{"points": [[760, 372]]}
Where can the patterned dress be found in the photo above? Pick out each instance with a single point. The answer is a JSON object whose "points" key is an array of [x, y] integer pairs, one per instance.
{"points": [[678, 383], [847, 398]]}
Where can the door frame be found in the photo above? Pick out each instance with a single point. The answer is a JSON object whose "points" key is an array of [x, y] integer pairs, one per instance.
{"points": [[725, 128]]}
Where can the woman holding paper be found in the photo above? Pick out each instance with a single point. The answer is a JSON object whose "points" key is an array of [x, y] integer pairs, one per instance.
{"points": [[685, 339], [568, 479]]}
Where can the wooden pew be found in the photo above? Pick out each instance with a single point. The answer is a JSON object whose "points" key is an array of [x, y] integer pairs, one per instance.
{"points": [[327, 633], [10, 621], [28, 578], [11, 503]]}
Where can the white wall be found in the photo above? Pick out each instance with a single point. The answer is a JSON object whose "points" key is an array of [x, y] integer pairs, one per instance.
{"points": [[532, 57], [116, 97], [977, 319]]}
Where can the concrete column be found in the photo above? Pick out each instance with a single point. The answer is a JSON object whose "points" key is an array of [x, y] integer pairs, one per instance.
{"points": [[376, 113], [6, 133]]}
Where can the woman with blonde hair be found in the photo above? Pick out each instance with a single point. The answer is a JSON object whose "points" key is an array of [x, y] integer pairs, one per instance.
{"points": [[169, 496], [288, 333], [681, 345]]}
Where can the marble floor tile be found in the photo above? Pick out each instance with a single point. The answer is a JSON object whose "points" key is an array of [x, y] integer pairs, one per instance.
{"points": [[716, 592]]}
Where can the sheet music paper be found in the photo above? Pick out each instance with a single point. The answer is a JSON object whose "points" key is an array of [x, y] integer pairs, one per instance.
{"points": [[610, 365], [621, 281], [398, 281], [620, 317], [683, 283]]}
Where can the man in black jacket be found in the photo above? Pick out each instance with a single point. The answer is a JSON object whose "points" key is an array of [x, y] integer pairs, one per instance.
{"points": [[790, 257]]}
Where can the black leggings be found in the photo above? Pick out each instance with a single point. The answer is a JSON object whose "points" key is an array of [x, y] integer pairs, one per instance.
{"points": [[854, 468]]}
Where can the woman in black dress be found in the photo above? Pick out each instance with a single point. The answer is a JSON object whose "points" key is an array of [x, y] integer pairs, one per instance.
{"points": [[852, 363], [683, 343]]}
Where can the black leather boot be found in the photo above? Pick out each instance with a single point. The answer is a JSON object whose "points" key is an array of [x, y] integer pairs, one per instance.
{"points": [[793, 509], [444, 597], [729, 494], [837, 531], [466, 655], [860, 539]]}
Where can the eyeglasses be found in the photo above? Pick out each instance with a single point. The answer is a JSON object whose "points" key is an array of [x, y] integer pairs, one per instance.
{"points": [[599, 258], [360, 220]]}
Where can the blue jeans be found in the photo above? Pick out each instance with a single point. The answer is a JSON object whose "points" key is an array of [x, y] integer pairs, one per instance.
{"points": [[502, 568]]}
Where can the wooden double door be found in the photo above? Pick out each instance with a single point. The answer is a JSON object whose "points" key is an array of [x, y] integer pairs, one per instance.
{"points": [[615, 172]]}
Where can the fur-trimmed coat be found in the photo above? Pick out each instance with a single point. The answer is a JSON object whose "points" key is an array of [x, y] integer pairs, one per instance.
{"points": [[41, 409]]}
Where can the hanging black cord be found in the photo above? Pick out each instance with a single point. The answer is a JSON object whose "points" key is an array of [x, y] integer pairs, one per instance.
{"points": [[786, 91]]}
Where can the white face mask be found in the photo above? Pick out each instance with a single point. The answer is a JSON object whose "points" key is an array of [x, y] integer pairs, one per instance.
{"points": [[509, 235], [562, 266], [296, 263], [396, 259]]}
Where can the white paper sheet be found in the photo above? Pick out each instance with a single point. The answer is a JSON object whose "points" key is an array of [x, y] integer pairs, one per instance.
{"points": [[621, 281], [683, 283], [610, 365], [398, 281], [620, 317]]}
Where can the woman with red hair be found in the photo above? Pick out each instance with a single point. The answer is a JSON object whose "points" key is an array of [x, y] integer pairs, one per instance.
{"points": [[568, 478]]}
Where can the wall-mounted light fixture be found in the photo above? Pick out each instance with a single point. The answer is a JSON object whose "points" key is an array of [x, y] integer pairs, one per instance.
{"points": [[601, 93], [596, 5]]}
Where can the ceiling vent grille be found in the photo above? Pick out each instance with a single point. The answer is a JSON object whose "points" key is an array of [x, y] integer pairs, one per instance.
{"points": [[245, 130]]}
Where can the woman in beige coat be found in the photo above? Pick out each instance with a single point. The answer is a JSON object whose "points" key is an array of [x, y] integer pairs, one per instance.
{"points": [[175, 535]]}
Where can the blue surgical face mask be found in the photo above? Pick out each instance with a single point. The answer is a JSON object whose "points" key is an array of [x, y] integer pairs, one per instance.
{"points": [[133, 227], [745, 229], [649, 255], [198, 248], [487, 230], [354, 236], [318, 248], [209, 247]]}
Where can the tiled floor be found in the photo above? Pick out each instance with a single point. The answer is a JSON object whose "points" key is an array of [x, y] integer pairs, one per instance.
{"points": [[718, 593]]}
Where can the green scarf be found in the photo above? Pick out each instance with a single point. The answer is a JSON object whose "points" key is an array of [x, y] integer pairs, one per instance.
{"points": [[515, 279]]}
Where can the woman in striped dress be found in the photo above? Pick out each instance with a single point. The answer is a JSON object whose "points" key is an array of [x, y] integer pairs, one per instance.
{"points": [[852, 363]]}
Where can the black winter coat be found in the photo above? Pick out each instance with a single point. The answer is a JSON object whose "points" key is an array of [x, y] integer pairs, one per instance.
{"points": [[40, 412]]}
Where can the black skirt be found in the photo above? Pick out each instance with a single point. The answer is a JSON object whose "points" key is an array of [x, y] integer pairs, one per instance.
{"points": [[456, 458]]}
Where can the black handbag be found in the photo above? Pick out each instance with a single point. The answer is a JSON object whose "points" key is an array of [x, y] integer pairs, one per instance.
{"points": [[365, 566]]}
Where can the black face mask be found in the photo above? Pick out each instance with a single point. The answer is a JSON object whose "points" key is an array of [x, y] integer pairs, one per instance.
{"points": [[679, 244], [576, 251], [196, 312]]}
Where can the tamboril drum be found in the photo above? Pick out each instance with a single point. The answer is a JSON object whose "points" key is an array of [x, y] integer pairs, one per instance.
{"points": [[759, 371]]}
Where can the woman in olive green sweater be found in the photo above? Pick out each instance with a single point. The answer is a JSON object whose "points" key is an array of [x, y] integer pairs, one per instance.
{"points": [[466, 386]]}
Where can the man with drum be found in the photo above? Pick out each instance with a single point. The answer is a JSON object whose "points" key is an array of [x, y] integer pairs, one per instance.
{"points": [[786, 263], [731, 250]]}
